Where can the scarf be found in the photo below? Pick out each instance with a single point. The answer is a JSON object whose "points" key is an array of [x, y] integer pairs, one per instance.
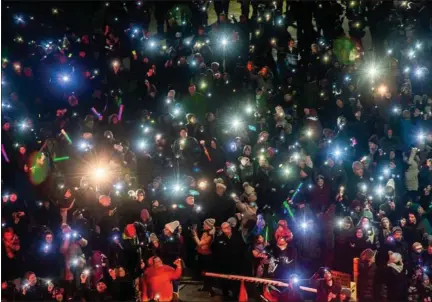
{"points": [[396, 267]]}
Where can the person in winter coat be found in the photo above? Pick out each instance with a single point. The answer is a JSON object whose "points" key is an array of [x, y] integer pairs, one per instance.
{"points": [[286, 256], [366, 284], [261, 257], [415, 255], [384, 230], [343, 235], [157, 281], [411, 173], [319, 195], [71, 248], [360, 242], [221, 207], [396, 274], [203, 248], [328, 289], [248, 214]]}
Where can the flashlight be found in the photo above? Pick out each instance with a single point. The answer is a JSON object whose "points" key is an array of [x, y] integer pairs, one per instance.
{"points": [[337, 152], [287, 171], [340, 223], [75, 234], [421, 136], [202, 185], [142, 145], [364, 187], [236, 123], [177, 187], [296, 156], [303, 225], [99, 172], [295, 280], [390, 51], [75, 261], [309, 133], [86, 272], [198, 208], [382, 89], [379, 191], [115, 63], [48, 282], [118, 186], [224, 41], [386, 171], [65, 78], [174, 206]]}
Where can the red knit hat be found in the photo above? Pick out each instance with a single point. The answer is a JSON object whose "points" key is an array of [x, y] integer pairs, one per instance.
{"points": [[130, 230]]}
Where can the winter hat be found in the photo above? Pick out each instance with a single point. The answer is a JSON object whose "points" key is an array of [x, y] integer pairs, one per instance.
{"points": [[367, 254], [346, 291], [130, 230], [153, 237], [232, 222], [111, 117], [171, 93], [374, 139], [210, 222], [368, 214], [417, 247], [108, 134], [172, 226], [396, 229], [394, 257], [248, 189], [145, 215]]}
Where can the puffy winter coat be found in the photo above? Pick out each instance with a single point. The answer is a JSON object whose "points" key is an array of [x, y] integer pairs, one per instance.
{"points": [[411, 173]]}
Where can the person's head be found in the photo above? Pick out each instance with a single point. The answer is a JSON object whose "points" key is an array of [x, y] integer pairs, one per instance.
{"points": [[220, 189], [222, 18], [167, 231], [412, 218], [190, 200], [22, 150], [429, 249], [8, 234], [385, 223], [365, 223], [389, 133], [6, 126], [213, 143], [101, 287], [226, 229], [208, 224], [327, 275], [392, 154], [49, 237], [157, 262], [320, 181], [192, 89], [31, 278], [259, 239], [140, 195], [210, 117], [314, 48], [358, 114], [121, 272], [201, 31], [347, 223], [183, 133], [282, 241], [339, 103], [247, 150], [357, 168], [359, 233], [397, 234], [291, 43], [191, 118]]}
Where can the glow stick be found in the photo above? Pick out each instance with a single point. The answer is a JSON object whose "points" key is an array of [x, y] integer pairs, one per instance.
{"points": [[4, 153], [60, 158], [93, 109], [120, 112], [66, 136]]}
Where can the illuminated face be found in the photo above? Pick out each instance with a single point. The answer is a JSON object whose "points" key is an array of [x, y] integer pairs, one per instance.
{"points": [[397, 236], [190, 200], [13, 197], [260, 239], [392, 155], [48, 238], [281, 241], [192, 89], [429, 250], [140, 196], [358, 171], [226, 228], [121, 272], [220, 190], [157, 262], [32, 279], [247, 151], [364, 222], [183, 133], [412, 219], [167, 232], [8, 236], [320, 182], [6, 126], [100, 287], [291, 44], [213, 144], [359, 234], [347, 225], [386, 223]]}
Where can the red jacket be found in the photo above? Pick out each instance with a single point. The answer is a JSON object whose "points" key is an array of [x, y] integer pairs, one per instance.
{"points": [[157, 283]]}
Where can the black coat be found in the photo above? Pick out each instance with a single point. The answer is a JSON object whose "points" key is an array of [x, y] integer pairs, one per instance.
{"points": [[397, 284], [229, 252]]}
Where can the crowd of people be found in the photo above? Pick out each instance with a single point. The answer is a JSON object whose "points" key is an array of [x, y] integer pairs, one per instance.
{"points": [[134, 159]]}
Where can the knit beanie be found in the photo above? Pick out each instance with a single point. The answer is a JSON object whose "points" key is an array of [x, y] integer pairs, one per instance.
{"points": [[346, 291], [153, 237], [210, 222], [367, 254], [394, 257], [417, 247], [172, 226], [396, 229]]}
